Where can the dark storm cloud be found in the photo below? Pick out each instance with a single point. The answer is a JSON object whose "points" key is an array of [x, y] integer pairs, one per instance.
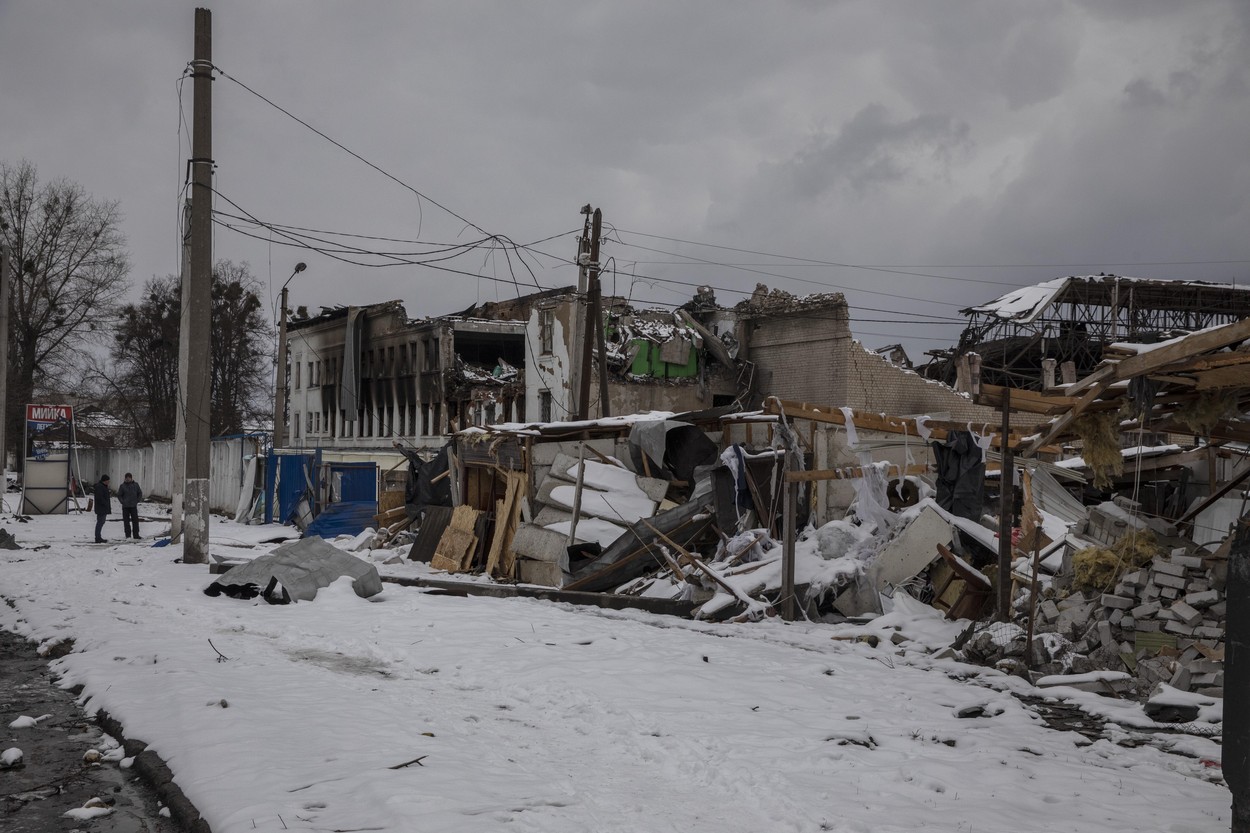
{"points": [[875, 149], [977, 131]]}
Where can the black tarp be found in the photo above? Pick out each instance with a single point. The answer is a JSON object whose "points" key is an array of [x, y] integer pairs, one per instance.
{"points": [[960, 475]]}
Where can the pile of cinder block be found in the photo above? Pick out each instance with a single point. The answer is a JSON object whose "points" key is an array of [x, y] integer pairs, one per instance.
{"points": [[1163, 622]]}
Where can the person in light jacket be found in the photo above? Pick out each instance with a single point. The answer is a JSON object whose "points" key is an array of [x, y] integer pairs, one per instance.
{"points": [[103, 506], [128, 495]]}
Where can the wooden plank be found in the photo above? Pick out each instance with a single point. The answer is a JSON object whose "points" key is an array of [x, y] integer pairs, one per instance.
{"points": [[1185, 348], [507, 558], [867, 421], [1061, 423], [458, 540]]}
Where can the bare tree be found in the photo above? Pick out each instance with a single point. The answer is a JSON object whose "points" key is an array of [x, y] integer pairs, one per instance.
{"points": [[70, 267]]}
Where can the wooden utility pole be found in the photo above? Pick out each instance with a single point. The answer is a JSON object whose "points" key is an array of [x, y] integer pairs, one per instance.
{"points": [[198, 401], [180, 424], [578, 336], [593, 328], [1006, 503], [1236, 747], [5, 278]]}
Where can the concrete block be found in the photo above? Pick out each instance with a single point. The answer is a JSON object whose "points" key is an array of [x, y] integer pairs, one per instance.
{"points": [[1105, 638], [1199, 585], [546, 573], [1136, 579], [1168, 580], [1166, 568], [1186, 613], [1069, 602], [1205, 632], [538, 544], [1148, 609], [1202, 599], [1178, 628], [1073, 621], [1192, 562], [1128, 623], [1048, 610], [1181, 679], [1116, 617], [1218, 610], [1151, 592], [1170, 593], [1117, 602], [1214, 678], [1148, 626]]}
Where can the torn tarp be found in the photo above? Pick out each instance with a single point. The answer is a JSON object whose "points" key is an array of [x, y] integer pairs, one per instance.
{"points": [[960, 475], [294, 572], [675, 447]]}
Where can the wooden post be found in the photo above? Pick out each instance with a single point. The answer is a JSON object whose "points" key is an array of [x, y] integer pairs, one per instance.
{"points": [[1236, 747], [1006, 478], [789, 515]]}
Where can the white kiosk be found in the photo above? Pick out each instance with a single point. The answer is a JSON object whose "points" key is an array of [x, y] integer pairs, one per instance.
{"points": [[47, 478]]}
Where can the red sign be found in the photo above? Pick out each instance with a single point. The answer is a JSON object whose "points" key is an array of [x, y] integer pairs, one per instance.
{"points": [[49, 413]]}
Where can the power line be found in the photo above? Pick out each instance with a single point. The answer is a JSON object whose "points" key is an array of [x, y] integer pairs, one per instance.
{"points": [[356, 156], [804, 260]]}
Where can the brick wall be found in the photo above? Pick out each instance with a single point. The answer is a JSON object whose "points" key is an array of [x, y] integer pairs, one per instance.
{"points": [[873, 384], [801, 354]]}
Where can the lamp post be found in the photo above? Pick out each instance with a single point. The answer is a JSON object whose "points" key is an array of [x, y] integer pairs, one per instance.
{"points": [[279, 387]]}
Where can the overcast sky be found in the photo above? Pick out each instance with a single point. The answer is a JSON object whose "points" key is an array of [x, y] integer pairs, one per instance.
{"points": [[984, 144]]}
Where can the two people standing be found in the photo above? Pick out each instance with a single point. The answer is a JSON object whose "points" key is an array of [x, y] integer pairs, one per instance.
{"points": [[128, 495]]}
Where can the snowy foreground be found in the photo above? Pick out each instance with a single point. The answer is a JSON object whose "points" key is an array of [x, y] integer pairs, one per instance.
{"points": [[411, 711]]}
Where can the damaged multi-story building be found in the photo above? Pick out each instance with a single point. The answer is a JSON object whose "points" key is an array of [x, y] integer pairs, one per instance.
{"points": [[364, 377]]}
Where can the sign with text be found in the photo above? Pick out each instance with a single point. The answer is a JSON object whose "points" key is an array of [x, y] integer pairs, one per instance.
{"points": [[49, 442]]}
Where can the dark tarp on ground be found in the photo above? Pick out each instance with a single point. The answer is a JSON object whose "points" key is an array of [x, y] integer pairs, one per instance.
{"points": [[960, 475], [294, 572]]}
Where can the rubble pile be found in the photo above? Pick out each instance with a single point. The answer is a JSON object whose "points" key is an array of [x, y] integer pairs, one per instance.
{"points": [[1163, 622]]}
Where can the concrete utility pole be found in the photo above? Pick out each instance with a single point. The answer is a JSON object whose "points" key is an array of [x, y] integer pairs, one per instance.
{"points": [[594, 326], [280, 374], [198, 400], [5, 278], [180, 423]]}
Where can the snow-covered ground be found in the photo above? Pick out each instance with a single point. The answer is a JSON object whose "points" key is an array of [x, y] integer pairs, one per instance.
{"points": [[413, 711]]}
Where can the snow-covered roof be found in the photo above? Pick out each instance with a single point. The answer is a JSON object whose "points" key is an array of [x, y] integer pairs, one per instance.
{"points": [[1026, 304]]}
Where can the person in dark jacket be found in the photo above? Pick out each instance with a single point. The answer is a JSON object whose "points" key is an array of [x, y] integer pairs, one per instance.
{"points": [[103, 506], [128, 495]]}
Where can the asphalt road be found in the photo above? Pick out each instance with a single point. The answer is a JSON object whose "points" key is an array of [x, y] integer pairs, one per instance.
{"points": [[53, 777]]}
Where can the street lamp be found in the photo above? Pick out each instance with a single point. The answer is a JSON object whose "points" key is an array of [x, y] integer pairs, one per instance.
{"points": [[279, 392]]}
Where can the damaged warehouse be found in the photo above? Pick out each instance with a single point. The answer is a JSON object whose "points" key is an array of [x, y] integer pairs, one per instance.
{"points": [[1080, 528]]}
